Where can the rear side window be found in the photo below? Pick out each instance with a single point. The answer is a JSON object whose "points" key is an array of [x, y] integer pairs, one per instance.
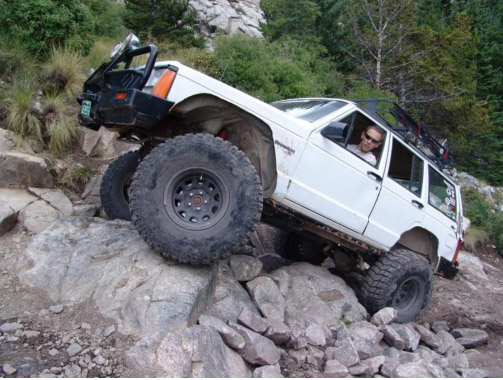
{"points": [[441, 194], [406, 168]]}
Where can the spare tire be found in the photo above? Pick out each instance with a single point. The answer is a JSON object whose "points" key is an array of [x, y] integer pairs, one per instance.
{"points": [[196, 198], [400, 279], [114, 190]]}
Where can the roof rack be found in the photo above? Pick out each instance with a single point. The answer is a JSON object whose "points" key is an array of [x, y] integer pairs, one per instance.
{"points": [[411, 131]]}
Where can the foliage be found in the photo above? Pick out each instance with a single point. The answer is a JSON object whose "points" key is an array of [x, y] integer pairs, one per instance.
{"points": [[276, 70], [39, 24], [64, 72], [169, 20], [289, 18], [483, 217], [107, 15], [43, 119], [15, 61], [76, 176]]}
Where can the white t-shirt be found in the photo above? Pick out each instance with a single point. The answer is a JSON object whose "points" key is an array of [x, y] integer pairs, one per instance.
{"points": [[368, 156]]}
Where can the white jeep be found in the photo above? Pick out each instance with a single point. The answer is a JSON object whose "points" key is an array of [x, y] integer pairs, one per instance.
{"points": [[214, 162]]}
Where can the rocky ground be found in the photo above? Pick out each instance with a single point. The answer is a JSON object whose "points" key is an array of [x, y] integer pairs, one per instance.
{"points": [[84, 297]]}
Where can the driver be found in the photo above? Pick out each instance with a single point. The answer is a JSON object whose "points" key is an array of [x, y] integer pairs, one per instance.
{"points": [[371, 139]]}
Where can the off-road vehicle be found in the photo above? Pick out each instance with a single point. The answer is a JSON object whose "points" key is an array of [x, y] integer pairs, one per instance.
{"points": [[213, 162]]}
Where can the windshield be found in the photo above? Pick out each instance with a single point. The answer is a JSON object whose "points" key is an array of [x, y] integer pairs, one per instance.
{"points": [[309, 109]]}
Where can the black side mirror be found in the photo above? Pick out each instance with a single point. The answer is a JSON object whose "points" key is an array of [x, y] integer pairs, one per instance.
{"points": [[335, 131]]}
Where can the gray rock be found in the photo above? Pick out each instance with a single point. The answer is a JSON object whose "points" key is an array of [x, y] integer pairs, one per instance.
{"points": [[19, 170], [298, 333], [458, 362], [258, 349], [187, 356], [299, 356], [85, 210], [56, 198], [73, 349], [278, 331], [317, 334], [474, 373], [384, 316], [229, 297], [267, 296], [245, 268], [389, 365], [470, 338], [314, 294], [230, 336], [8, 218], [8, 369], [252, 320], [365, 331], [467, 181], [418, 369], [449, 344], [373, 365], [409, 335], [30, 334], [109, 331], [357, 370], [438, 326], [37, 216], [268, 371], [451, 374], [345, 353], [81, 259], [10, 327], [335, 369], [392, 337], [56, 309], [53, 352], [391, 352], [428, 337]]}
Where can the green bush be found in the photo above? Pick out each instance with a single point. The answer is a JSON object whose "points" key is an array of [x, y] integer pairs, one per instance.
{"points": [[483, 217], [275, 70], [39, 24]]}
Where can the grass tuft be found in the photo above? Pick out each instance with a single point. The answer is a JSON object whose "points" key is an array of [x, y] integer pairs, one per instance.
{"points": [[475, 237], [64, 72], [61, 128]]}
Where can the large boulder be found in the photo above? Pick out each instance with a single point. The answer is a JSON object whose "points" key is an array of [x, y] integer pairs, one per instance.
{"points": [[314, 294], [81, 258], [20, 171]]}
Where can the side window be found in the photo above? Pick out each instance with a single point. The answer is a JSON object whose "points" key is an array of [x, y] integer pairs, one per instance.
{"points": [[406, 168], [359, 135], [441, 194]]}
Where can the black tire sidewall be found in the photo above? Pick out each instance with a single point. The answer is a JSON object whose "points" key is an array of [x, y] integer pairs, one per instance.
{"points": [[112, 189], [161, 168]]}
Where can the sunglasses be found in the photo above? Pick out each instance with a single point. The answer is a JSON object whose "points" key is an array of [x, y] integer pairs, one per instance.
{"points": [[374, 141]]}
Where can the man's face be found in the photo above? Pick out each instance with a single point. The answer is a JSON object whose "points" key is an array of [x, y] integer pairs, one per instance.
{"points": [[369, 139]]}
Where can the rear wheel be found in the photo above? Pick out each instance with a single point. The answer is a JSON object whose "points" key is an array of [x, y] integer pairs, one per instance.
{"points": [[401, 279], [196, 199], [114, 191]]}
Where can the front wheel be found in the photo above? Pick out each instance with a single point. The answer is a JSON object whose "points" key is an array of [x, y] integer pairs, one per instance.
{"points": [[196, 199], [401, 279]]}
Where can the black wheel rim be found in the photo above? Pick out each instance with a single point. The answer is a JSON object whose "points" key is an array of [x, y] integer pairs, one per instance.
{"points": [[409, 295], [196, 199]]}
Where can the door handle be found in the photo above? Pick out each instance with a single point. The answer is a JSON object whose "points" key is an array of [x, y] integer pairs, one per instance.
{"points": [[418, 204], [377, 177]]}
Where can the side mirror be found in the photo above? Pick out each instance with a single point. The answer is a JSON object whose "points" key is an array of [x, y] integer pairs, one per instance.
{"points": [[335, 131]]}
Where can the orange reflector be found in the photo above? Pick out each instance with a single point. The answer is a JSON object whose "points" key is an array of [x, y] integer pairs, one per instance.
{"points": [[164, 84], [120, 96]]}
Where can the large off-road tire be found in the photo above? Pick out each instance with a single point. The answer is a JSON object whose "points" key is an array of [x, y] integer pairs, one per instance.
{"points": [[196, 198], [114, 191], [294, 246], [401, 279]]}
